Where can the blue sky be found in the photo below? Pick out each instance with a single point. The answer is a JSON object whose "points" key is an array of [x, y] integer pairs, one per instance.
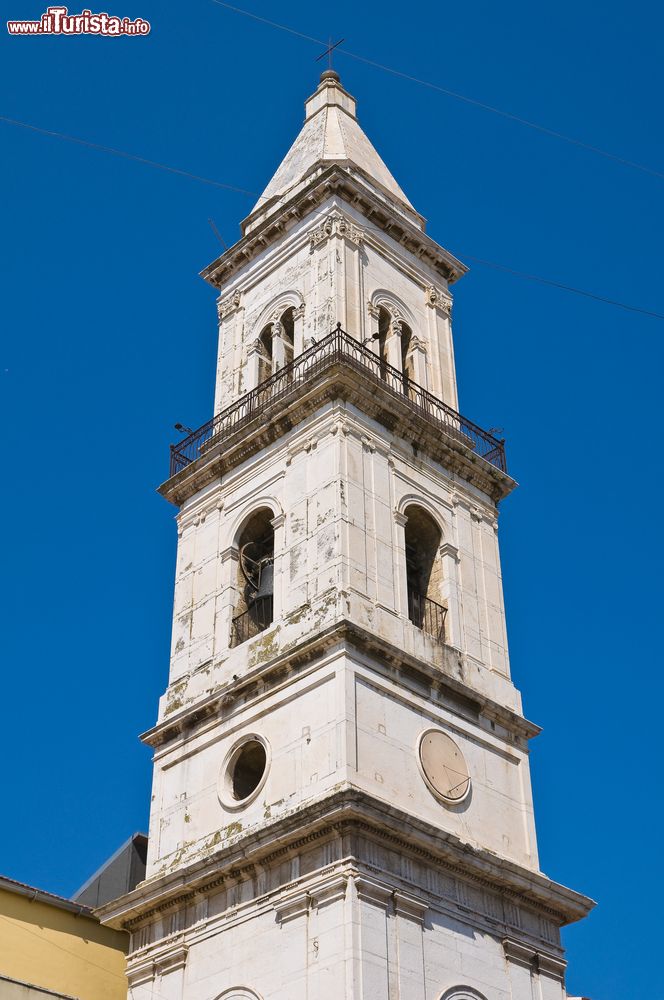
{"points": [[109, 339]]}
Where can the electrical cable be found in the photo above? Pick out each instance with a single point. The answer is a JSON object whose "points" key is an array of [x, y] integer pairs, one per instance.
{"points": [[52, 133], [125, 155], [545, 130]]}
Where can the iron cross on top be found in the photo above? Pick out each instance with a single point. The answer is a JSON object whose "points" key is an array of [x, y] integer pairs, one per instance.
{"points": [[329, 50]]}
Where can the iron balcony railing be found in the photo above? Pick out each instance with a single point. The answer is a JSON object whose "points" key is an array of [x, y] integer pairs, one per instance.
{"points": [[427, 615], [254, 620], [337, 348]]}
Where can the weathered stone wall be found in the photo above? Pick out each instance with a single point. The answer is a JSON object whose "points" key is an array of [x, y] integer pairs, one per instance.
{"points": [[341, 721], [346, 931], [333, 267], [338, 493]]}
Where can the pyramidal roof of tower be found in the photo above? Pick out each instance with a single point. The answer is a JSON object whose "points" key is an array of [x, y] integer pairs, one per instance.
{"points": [[330, 134]]}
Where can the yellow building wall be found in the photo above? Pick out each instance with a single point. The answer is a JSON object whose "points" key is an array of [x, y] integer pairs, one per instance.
{"points": [[50, 947]]}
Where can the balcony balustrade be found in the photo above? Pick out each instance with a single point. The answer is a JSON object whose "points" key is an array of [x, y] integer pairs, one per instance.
{"points": [[338, 348]]}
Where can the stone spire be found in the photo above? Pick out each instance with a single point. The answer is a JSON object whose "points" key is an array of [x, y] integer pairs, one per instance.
{"points": [[331, 134]]}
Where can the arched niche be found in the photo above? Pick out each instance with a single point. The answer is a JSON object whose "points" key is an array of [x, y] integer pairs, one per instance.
{"points": [[254, 584], [424, 578]]}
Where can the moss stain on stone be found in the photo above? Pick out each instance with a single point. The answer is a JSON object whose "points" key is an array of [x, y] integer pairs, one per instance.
{"points": [[175, 699], [295, 617], [265, 649]]}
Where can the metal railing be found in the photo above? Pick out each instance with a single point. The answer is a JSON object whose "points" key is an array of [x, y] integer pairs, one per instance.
{"points": [[337, 348], [255, 619], [427, 615]]}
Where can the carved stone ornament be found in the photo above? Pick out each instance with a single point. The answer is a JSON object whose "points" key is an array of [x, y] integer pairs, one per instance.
{"points": [[416, 344], [338, 224], [437, 299], [228, 305]]}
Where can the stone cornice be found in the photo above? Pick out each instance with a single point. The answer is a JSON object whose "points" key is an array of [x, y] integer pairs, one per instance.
{"points": [[335, 179], [402, 668], [346, 813], [338, 381], [531, 958]]}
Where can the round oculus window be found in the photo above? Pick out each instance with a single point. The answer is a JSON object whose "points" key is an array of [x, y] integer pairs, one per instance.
{"points": [[444, 766], [244, 772]]}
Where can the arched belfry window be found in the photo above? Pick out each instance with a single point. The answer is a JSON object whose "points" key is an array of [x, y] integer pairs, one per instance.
{"points": [[277, 343], [265, 361], [406, 357], [394, 338], [462, 993], [238, 993], [254, 604], [424, 572]]}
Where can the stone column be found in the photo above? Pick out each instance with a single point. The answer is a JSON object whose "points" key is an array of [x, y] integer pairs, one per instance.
{"points": [[170, 969], [449, 558], [278, 346], [443, 379], [254, 356], [533, 974], [279, 525], [400, 574], [373, 904], [417, 356], [298, 337], [227, 598], [448, 375], [393, 344], [409, 914], [372, 328]]}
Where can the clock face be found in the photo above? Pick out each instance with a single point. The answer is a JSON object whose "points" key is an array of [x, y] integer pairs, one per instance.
{"points": [[444, 766]]}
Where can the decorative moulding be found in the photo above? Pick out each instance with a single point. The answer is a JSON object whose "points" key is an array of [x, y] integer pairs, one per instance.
{"points": [[462, 993], [551, 966], [447, 549], [439, 300], [291, 907], [329, 892], [372, 892], [335, 224], [228, 304], [408, 906], [175, 959], [530, 958], [141, 971]]}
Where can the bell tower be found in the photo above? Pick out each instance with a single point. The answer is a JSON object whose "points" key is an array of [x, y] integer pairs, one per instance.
{"points": [[341, 802]]}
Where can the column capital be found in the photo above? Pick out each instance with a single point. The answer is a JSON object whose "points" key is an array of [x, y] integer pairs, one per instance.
{"points": [[292, 906], [447, 549], [408, 906], [175, 958], [372, 892], [437, 299]]}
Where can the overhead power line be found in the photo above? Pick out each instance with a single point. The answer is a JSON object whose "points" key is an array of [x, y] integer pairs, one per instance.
{"points": [[123, 154], [565, 288], [52, 133], [545, 130]]}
